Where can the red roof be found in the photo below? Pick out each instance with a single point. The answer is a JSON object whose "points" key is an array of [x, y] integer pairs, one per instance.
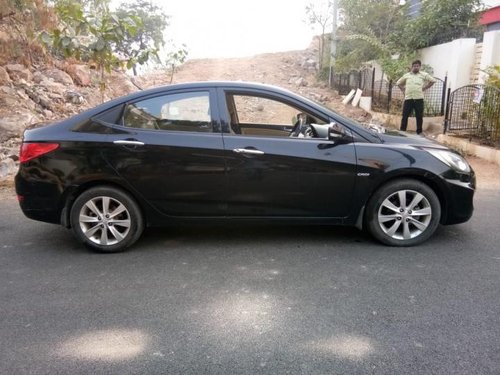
{"points": [[490, 16]]}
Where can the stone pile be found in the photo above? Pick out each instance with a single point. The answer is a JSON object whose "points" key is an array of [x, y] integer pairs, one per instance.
{"points": [[9, 157], [29, 96]]}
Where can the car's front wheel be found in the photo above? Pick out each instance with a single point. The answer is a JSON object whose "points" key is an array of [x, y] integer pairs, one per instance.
{"points": [[106, 219], [403, 213]]}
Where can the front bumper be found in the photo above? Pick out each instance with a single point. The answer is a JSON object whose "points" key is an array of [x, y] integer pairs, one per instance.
{"points": [[460, 199]]}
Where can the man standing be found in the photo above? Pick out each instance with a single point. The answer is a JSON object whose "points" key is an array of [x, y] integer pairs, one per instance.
{"points": [[413, 84]]}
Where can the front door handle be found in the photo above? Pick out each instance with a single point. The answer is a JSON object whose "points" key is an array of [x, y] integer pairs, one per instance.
{"points": [[128, 142], [248, 151]]}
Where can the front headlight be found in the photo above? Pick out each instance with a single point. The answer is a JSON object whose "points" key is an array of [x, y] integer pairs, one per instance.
{"points": [[451, 159]]}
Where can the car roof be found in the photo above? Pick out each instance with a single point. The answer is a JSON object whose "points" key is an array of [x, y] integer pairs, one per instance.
{"points": [[211, 84]]}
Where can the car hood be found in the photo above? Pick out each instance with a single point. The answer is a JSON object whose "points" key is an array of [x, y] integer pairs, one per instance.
{"points": [[398, 137]]}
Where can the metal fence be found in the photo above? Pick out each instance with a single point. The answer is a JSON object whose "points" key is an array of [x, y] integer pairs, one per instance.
{"points": [[386, 96], [474, 111], [345, 82]]}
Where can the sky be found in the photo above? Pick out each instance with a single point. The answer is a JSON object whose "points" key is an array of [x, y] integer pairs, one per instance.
{"points": [[237, 28], [491, 3]]}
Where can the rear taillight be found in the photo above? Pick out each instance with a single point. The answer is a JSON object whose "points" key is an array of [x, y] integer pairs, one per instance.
{"points": [[33, 150]]}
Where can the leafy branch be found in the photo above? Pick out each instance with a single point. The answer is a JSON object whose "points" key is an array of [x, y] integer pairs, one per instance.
{"points": [[93, 36]]}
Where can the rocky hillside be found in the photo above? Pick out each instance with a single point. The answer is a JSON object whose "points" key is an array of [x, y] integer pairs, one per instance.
{"points": [[47, 92], [44, 94]]}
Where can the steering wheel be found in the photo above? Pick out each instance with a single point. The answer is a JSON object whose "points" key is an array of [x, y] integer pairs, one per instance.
{"points": [[299, 125], [296, 129], [309, 132], [303, 128]]}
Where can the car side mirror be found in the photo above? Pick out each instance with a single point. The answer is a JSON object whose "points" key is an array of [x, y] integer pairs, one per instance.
{"points": [[336, 132]]}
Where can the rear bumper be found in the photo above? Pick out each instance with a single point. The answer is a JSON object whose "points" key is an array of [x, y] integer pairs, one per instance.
{"points": [[39, 200]]}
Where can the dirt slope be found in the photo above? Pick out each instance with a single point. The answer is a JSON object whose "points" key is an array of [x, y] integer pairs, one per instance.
{"points": [[293, 70]]}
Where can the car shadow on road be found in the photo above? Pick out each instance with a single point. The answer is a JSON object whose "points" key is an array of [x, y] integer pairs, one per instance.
{"points": [[257, 234], [296, 236]]}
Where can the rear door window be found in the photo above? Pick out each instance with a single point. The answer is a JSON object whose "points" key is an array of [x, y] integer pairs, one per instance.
{"points": [[172, 112]]}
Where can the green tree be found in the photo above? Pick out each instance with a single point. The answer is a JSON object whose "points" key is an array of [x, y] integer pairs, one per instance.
{"points": [[381, 30], [493, 75], [370, 31], [94, 6], [320, 15], [148, 38], [442, 21], [91, 36], [174, 58]]}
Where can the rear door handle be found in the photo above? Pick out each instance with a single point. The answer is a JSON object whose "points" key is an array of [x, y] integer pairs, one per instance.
{"points": [[128, 142], [248, 151]]}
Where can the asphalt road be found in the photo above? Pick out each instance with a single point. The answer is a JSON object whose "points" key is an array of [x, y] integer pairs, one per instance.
{"points": [[251, 300]]}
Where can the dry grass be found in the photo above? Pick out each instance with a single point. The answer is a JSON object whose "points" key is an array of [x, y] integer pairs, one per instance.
{"points": [[7, 190], [7, 183], [22, 23]]}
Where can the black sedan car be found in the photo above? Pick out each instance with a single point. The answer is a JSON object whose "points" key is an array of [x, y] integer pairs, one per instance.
{"points": [[233, 151]]}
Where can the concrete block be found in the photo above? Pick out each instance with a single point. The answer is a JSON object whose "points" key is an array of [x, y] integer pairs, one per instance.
{"points": [[365, 103], [357, 97], [349, 97]]}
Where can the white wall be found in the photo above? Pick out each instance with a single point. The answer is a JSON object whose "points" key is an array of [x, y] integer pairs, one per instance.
{"points": [[378, 70], [454, 59], [491, 52]]}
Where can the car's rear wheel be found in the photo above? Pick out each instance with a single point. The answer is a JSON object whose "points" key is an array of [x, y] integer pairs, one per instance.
{"points": [[106, 219], [403, 213]]}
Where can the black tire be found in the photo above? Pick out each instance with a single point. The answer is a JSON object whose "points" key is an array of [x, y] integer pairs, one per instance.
{"points": [[106, 219], [403, 212]]}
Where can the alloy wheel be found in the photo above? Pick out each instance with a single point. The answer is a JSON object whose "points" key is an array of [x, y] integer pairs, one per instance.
{"points": [[405, 214], [104, 221]]}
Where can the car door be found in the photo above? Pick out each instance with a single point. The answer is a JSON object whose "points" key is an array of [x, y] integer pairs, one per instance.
{"points": [[170, 151], [270, 173]]}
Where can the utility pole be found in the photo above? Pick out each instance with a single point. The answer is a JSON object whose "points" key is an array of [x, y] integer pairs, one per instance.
{"points": [[333, 40]]}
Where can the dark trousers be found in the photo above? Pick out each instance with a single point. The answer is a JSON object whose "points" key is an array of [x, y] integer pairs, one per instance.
{"points": [[408, 106]]}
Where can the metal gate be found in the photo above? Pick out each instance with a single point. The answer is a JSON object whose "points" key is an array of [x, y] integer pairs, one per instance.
{"points": [[474, 110], [386, 96]]}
